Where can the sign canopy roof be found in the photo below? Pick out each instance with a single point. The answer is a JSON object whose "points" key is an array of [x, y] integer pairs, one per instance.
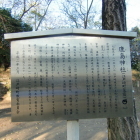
{"points": [[70, 31]]}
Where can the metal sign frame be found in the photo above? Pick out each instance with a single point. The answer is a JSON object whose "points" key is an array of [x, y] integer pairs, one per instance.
{"points": [[70, 74]]}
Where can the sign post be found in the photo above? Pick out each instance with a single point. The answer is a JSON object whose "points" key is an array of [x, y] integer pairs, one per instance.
{"points": [[73, 130]]}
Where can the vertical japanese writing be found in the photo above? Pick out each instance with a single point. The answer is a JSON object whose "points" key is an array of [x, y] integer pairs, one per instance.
{"points": [[35, 80], [23, 61], [87, 80], [75, 81], [109, 75], [92, 79], [64, 79], [123, 77], [46, 72], [24, 67], [98, 78], [52, 78], [29, 79], [70, 78], [57, 59], [104, 80], [17, 84], [17, 96], [41, 79], [115, 78], [17, 62]]}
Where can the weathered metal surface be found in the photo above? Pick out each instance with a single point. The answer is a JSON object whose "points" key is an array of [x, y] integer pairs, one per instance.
{"points": [[70, 78]]}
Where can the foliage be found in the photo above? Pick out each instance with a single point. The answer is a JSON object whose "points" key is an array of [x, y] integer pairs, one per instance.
{"points": [[8, 24], [31, 11], [136, 29], [135, 75], [135, 50]]}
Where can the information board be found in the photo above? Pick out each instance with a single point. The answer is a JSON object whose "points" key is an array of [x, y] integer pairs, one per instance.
{"points": [[71, 77]]}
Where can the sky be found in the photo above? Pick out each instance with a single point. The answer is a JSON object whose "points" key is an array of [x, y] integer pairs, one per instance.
{"points": [[133, 13], [133, 10]]}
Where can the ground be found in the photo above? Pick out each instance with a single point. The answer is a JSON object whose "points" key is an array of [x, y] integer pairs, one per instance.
{"points": [[91, 129]]}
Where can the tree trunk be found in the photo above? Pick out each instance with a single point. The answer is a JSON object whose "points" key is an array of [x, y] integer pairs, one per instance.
{"points": [[114, 18], [114, 15]]}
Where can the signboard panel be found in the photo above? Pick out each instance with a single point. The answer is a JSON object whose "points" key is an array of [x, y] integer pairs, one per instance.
{"points": [[71, 77]]}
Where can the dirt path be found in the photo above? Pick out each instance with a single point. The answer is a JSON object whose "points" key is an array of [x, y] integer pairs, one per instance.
{"points": [[91, 129], [95, 129]]}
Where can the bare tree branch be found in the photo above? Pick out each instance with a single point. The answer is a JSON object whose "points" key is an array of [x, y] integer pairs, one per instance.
{"points": [[85, 22], [26, 10], [77, 13], [3, 19], [48, 4]]}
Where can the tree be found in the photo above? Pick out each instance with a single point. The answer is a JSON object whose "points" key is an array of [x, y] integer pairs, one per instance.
{"points": [[136, 29], [24, 9], [40, 14], [8, 24], [114, 18], [28, 7], [135, 50], [20, 8], [80, 16]]}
